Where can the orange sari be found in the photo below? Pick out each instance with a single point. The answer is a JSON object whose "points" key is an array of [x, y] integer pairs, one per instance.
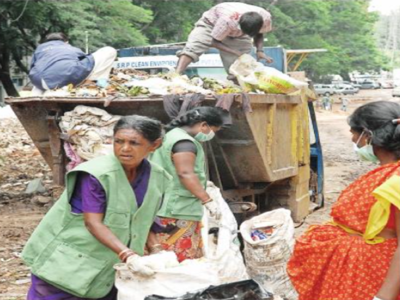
{"points": [[330, 264]]}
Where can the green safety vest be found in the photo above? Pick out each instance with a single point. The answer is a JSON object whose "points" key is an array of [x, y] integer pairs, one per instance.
{"points": [[62, 251], [179, 203]]}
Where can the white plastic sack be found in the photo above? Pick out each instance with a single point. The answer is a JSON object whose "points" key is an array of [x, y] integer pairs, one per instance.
{"points": [[222, 263], [266, 259], [226, 253], [189, 275], [253, 76]]}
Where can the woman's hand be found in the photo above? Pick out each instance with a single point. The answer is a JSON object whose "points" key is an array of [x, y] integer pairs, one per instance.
{"points": [[213, 209], [153, 245], [138, 264]]}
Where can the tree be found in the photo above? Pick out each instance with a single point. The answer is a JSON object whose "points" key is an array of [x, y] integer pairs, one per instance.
{"points": [[173, 19], [387, 33], [23, 24]]}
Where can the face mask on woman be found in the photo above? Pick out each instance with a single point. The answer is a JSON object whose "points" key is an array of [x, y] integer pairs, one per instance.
{"points": [[205, 137], [366, 153]]}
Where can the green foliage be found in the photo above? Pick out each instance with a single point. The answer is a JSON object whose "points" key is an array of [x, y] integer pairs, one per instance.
{"points": [[173, 19], [108, 22], [344, 28]]}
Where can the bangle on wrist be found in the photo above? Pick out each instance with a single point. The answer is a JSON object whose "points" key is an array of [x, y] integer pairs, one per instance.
{"points": [[127, 254], [123, 251], [208, 200], [260, 50], [123, 255]]}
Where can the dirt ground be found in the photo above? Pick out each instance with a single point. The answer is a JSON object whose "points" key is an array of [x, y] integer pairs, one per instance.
{"points": [[20, 162]]}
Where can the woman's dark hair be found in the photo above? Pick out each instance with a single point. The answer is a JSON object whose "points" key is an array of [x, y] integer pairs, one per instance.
{"points": [[149, 128], [377, 118], [211, 115], [251, 23], [56, 36]]}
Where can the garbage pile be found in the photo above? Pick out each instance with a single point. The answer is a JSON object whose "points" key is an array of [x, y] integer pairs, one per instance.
{"points": [[88, 133], [24, 175], [252, 76], [132, 83]]}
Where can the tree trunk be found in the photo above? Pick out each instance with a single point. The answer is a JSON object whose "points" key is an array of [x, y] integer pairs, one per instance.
{"points": [[5, 77], [8, 84]]}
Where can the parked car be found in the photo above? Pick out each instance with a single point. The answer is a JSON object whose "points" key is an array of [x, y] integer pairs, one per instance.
{"points": [[346, 89], [371, 85], [325, 89], [396, 92], [386, 84]]}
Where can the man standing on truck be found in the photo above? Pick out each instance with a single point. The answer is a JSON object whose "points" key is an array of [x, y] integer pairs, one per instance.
{"points": [[56, 63], [232, 28]]}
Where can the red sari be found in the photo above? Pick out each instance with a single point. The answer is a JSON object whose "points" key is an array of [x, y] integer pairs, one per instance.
{"points": [[184, 238], [330, 264]]}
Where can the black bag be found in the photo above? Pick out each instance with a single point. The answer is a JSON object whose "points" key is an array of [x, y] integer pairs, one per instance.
{"points": [[241, 290]]}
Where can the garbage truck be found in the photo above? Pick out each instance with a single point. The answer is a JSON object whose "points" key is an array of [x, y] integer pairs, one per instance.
{"points": [[270, 157]]}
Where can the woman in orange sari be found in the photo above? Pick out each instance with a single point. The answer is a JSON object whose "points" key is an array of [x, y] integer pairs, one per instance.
{"points": [[356, 256]]}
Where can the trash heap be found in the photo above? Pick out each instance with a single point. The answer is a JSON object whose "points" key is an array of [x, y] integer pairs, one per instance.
{"points": [[133, 83], [252, 76], [87, 133]]}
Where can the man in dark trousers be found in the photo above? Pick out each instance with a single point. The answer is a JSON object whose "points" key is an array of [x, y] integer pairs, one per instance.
{"points": [[56, 63], [231, 27]]}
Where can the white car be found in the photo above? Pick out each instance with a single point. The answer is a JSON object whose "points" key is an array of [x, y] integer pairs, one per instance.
{"points": [[325, 89], [346, 89], [396, 92]]}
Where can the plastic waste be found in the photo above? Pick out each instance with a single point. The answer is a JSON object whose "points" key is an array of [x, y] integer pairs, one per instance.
{"points": [[241, 290], [266, 258], [102, 82], [253, 76]]}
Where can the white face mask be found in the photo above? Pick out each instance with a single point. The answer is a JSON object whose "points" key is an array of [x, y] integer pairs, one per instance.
{"points": [[205, 137], [365, 153]]}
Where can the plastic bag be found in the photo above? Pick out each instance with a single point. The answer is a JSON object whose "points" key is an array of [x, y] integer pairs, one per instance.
{"points": [[226, 252], [242, 290], [255, 77], [267, 258], [222, 263], [189, 275]]}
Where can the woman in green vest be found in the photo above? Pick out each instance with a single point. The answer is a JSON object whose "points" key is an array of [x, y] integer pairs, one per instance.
{"points": [[182, 156], [103, 217]]}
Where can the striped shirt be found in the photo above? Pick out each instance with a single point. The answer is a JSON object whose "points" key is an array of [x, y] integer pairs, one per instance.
{"points": [[225, 18]]}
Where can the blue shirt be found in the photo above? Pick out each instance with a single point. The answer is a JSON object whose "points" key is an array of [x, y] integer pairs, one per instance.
{"points": [[59, 64]]}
